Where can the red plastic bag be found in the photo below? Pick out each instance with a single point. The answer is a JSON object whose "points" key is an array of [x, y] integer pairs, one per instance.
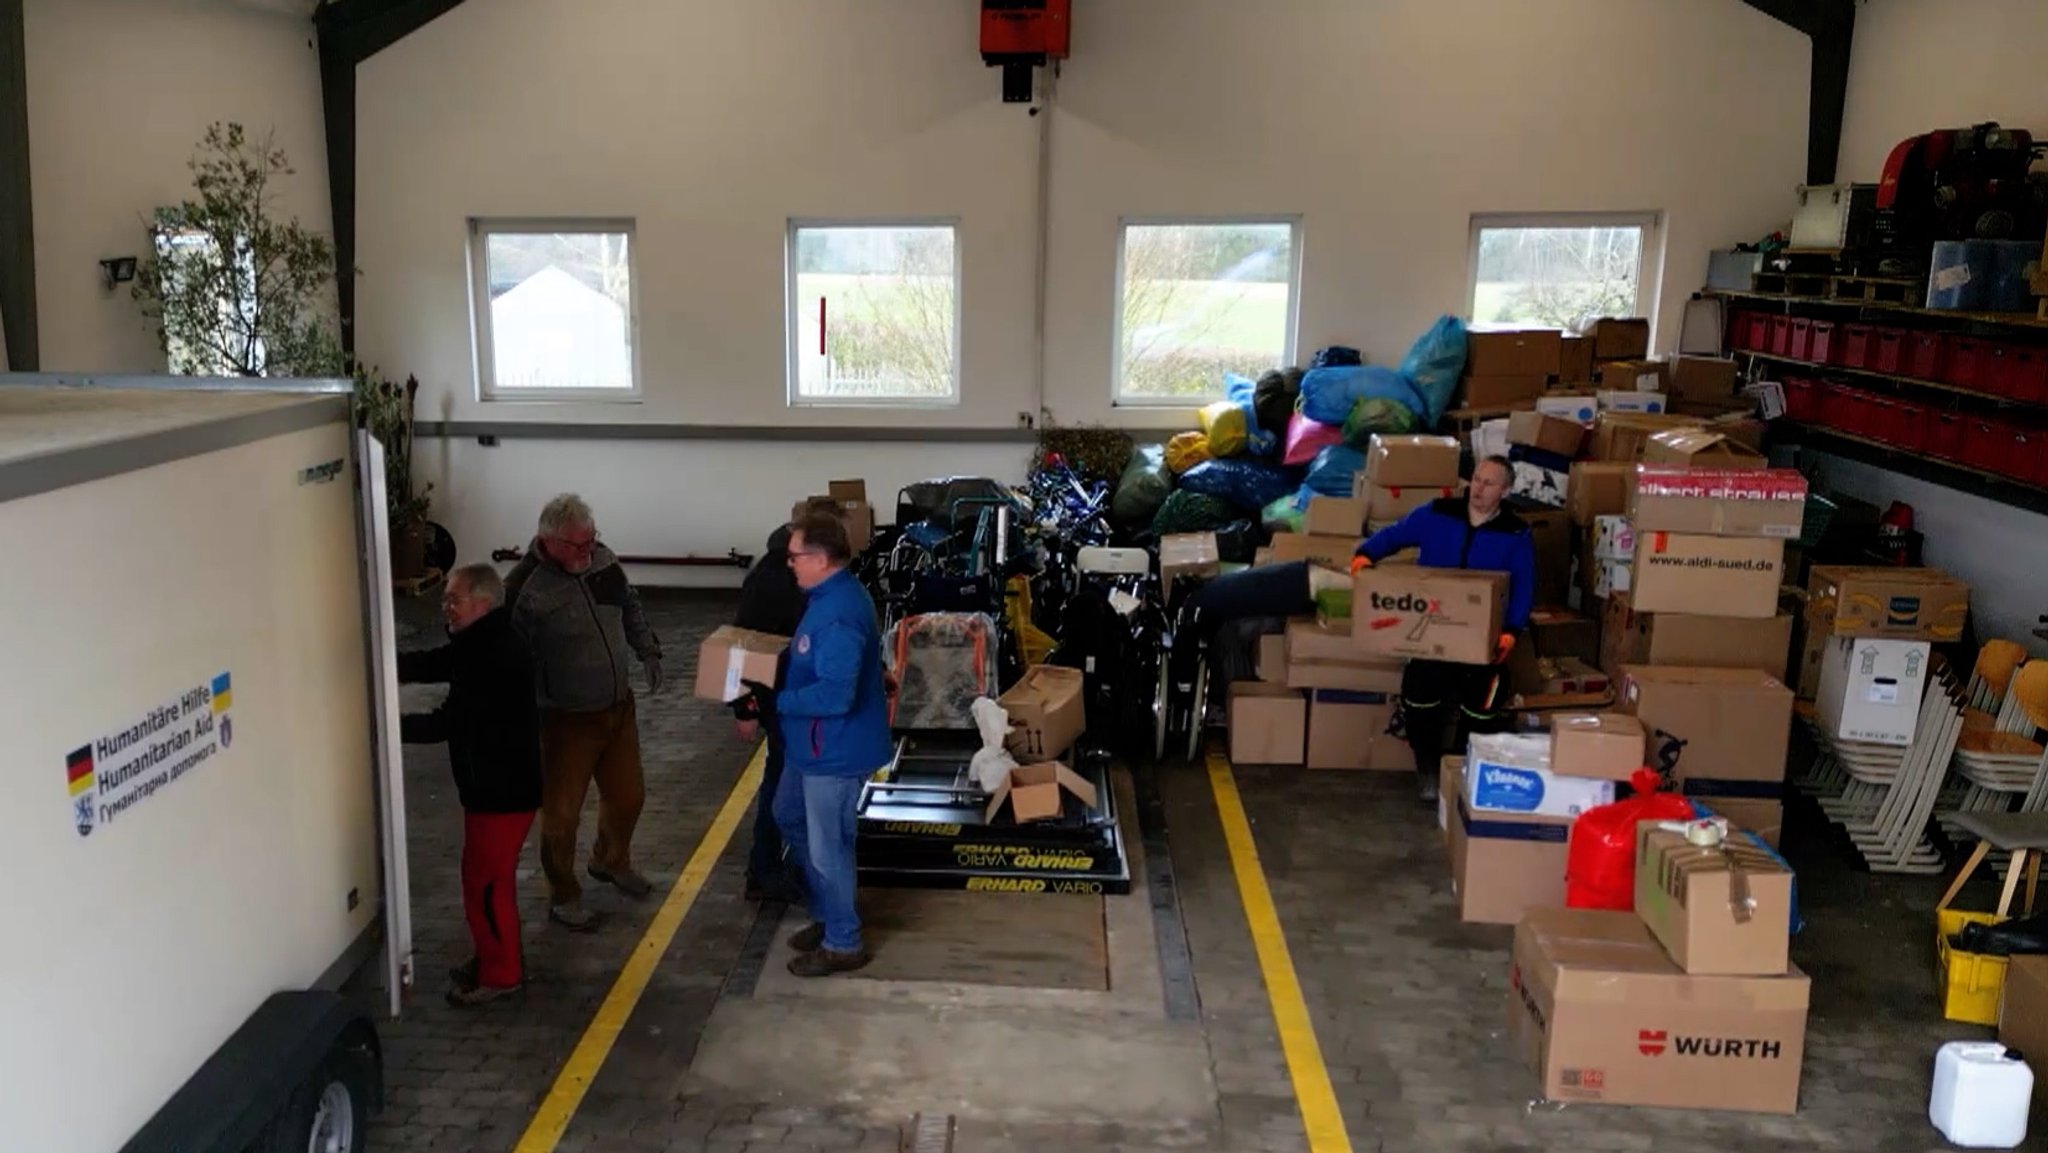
{"points": [[1600, 862]]}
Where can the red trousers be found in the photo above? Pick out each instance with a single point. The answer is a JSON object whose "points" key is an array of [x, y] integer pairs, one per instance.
{"points": [[490, 864]]}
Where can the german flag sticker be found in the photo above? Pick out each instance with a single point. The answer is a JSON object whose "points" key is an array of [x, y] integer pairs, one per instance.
{"points": [[78, 770]]}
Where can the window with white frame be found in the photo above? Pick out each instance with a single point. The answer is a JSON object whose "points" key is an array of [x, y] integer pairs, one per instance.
{"points": [[1558, 271], [1198, 299], [554, 309], [874, 313]]}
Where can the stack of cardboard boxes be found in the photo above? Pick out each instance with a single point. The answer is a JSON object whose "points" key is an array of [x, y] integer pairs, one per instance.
{"points": [[1689, 1001], [1865, 641], [852, 498], [1403, 473]]}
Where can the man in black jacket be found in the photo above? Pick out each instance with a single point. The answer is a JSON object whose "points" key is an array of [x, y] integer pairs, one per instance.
{"points": [[770, 602], [492, 726]]}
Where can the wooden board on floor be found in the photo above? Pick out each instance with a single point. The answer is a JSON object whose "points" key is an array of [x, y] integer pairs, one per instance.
{"points": [[1036, 941]]}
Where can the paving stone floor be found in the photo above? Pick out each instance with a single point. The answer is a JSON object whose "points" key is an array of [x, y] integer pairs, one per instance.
{"points": [[1406, 1002]]}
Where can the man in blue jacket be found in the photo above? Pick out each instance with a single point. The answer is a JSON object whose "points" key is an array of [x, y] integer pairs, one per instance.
{"points": [[833, 713], [1443, 703]]}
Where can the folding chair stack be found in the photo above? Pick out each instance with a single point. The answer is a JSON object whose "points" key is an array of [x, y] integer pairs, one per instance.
{"points": [[1888, 793], [2003, 762]]}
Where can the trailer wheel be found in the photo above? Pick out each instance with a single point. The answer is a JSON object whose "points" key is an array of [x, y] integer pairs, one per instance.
{"points": [[329, 1111]]}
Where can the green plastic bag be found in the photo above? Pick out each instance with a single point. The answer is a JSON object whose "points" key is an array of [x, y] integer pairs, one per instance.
{"points": [[1144, 486], [1377, 414], [1186, 511]]}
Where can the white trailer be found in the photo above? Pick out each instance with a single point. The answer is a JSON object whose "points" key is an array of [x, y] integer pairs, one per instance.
{"points": [[200, 815]]}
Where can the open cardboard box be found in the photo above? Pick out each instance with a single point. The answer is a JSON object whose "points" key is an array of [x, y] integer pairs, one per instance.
{"points": [[1048, 712], [1037, 792]]}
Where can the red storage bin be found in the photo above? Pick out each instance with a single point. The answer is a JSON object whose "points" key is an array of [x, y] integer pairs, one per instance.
{"points": [[1853, 411], [1802, 399], [1908, 431], [1946, 432], [1856, 346], [1924, 354], [1823, 347], [2026, 373], [1888, 350], [1965, 365], [2023, 454], [1800, 346], [1756, 331], [1987, 443], [1781, 336], [1992, 375]]}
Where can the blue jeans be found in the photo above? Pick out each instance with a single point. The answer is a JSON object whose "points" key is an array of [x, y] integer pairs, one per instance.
{"points": [[764, 859], [818, 816]]}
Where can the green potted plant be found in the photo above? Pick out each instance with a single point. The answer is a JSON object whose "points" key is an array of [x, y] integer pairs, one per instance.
{"points": [[385, 408]]}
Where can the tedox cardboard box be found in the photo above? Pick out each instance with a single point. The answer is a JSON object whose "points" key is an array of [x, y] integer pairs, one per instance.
{"points": [[1500, 391], [1575, 360], [1268, 724], [2023, 1021], [1335, 516], [1037, 792], [1718, 502], [1385, 505], [1708, 575], [1724, 910], [1502, 864], [1048, 712], [1620, 338], [1603, 1016], [1404, 461], [1437, 614], [1628, 637], [1549, 433], [1189, 554], [1596, 489], [1513, 352], [1608, 746], [1870, 689], [730, 656], [1349, 730], [1321, 655], [1720, 734], [1699, 448], [1332, 552], [1706, 378], [1898, 603]]}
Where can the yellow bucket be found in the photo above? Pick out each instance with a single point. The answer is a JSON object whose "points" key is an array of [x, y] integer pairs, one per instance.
{"points": [[1971, 983]]}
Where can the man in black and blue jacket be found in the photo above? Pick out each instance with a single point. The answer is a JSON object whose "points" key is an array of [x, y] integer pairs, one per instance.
{"points": [[1443, 703]]}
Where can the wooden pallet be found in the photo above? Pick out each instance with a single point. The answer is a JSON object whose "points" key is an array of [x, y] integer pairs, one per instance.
{"points": [[414, 586], [1878, 289], [1790, 283]]}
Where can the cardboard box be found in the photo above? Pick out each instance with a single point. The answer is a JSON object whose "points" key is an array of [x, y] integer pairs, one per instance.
{"points": [[1580, 409], [854, 510], [1603, 1016], [2023, 1022], [1719, 911], [1271, 662], [1870, 689], [1631, 375], [1348, 730], [1596, 489], [1619, 437], [1700, 448], [1401, 461], [1513, 352], [1556, 632], [1188, 554], [1551, 530], [1530, 790], [1437, 614], [1544, 486], [1612, 578], [1628, 637], [848, 491], [1614, 538], [1575, 360], [1813, 647], [1495, 392], [1549, 433], [1763, 816], [1899, 603], [1640, 401], [1321, 655], [731, 656], [1620, 337], [1707, 378], [1719, 733], [1385, 505], [1569, 677], [1038, 792], [1717, 502], [1336, 516], [1502, 864], [1606, 746], [1708, 575], [1048, 713], [1333, 552], [1268, 724]]}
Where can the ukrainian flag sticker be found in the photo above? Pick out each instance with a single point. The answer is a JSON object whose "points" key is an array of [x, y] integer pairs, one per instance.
{"points": [[223, 694]]}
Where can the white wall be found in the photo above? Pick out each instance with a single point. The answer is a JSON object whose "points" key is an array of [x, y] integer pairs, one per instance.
{"points": [[1384, 125], [1918, 66], [119, 94], [1921, 65]]}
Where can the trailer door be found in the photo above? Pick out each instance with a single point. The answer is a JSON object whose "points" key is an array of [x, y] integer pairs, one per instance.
{"points": [[390, 760]]}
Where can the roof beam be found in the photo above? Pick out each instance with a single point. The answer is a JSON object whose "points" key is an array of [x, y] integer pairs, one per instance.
{"points": [[1831, 26]]}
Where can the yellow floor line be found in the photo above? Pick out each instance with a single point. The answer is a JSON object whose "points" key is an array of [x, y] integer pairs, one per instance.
{"points": [[1312, 1091], [552, 1119]]}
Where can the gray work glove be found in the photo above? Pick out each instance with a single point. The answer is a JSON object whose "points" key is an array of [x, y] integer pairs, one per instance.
{"points": [[654, 675]]}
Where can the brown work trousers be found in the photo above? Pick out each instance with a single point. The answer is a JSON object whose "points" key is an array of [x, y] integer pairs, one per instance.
{"points": [[577, 748]]}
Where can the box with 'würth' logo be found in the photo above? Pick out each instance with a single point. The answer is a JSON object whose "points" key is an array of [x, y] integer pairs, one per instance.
{"points": [[1436, 614], [1603, 1016]]}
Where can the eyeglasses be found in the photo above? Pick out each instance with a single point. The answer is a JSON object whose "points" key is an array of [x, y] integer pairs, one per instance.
{"points": [[576, 545]]}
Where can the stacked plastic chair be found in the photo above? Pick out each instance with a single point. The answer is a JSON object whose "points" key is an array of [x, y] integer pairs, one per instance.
{"points": [[1886, 794], [1999, 757]]}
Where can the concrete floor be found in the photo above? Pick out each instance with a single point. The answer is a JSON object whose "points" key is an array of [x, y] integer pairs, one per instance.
{"points": [[1035, 1028]]}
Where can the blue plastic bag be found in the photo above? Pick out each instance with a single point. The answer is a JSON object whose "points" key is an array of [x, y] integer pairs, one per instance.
{"points": [[1248, 484], [1334, 470], [1329, 394], [1433, 366], [1259, 442]]}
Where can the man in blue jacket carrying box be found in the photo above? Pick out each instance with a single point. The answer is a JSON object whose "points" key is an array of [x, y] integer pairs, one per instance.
{"points": [[833, 712]]}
